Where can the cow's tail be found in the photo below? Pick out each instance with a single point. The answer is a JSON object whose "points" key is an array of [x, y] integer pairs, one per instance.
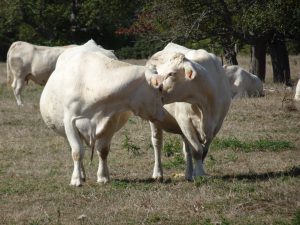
{"points": [[92, 142], [9, 75]]}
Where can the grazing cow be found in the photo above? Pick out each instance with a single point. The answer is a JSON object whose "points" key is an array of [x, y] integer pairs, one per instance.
{"points": [[297, 94], [203, 102], [243, 83], [26, 62], [91, 96]]}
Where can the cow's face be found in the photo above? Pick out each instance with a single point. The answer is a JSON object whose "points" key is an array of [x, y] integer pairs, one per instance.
{"points": [[176, 73]]}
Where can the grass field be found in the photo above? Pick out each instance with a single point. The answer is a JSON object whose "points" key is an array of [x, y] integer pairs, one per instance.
{"points": [[253, 167]]}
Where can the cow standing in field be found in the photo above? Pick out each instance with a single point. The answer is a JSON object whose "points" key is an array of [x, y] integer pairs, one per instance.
{"points": [[91, 97], [203, 103], [26, 62], [243, 83], [297, 93]]}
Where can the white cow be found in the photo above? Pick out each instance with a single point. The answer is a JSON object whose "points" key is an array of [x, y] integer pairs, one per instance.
{"points": [[172, 47], [206, 91], [26, 62], [243, 83], [91, 96], [297, 94]]}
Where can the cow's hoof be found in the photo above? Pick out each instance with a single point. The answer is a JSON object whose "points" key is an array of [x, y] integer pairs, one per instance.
{"points": [[76, 182], [102, 180], [158, 179]]}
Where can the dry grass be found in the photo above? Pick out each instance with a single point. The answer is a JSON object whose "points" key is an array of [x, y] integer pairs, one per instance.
{"points": [[251, 181]]}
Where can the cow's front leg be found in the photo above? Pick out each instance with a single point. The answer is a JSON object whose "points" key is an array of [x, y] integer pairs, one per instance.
{"points": [[195, 147], [77, 149], [157, 138], [188, 159], [103, 171]]}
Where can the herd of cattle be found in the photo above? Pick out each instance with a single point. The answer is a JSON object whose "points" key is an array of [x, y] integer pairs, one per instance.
{"points": [[89, 95]]}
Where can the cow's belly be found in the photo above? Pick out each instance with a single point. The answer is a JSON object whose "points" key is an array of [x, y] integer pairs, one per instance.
{"points": [[169, 124], [52, 111], [40, 77]]}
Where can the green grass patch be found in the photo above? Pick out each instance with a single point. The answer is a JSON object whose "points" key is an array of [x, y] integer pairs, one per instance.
{"points": [[116, 184], [130, 146], [176, 161], [250, 146], [172, 146], [199, 181]]}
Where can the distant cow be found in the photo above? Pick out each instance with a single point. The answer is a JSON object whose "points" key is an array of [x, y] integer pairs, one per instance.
{"points": [[203, 103], [297, 94], [26, 62], [243, 83]]}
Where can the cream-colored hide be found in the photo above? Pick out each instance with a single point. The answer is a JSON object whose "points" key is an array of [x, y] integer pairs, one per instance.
{"points": [[297, 93], [26, 62], [203, 102], [90, 96], [243, 83]]}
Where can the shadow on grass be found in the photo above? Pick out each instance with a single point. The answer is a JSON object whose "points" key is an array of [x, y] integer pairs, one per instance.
{"points": [[145, 181], [293, 172]]}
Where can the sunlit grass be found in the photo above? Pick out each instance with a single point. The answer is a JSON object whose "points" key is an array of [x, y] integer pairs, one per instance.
{"points": [[248, 146]]}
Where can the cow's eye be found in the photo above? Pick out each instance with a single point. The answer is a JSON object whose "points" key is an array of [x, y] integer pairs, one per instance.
{"points": [[171, 74]]}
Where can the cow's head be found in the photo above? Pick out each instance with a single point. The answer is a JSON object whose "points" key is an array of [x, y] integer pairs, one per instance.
{"points": [[176, 73], [150, 96]]}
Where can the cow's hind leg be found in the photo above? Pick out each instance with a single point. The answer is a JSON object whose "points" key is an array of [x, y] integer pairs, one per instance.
{"points": [[17, 85], [77, 149]]}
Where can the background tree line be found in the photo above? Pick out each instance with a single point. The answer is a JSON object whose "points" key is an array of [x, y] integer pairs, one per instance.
{"points": [[136, 29]]}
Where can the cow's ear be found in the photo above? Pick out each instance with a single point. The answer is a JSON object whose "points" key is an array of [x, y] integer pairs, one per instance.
{"points": [[190, 72]]}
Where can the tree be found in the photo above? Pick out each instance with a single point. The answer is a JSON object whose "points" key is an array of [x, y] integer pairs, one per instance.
{"points": [[280, 60], [253, 22], [59, 22]]}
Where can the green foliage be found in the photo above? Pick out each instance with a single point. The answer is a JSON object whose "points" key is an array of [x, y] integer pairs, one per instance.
{"points": [[176, 161], [203, 24], [130, 146], [199, 181], [120, 184], [171, 147], [257, 145], [140, 50]]}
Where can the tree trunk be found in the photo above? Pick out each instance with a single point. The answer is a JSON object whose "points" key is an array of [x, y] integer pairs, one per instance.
{"points": [[258, 59], [280, 60], [230, 56]]}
